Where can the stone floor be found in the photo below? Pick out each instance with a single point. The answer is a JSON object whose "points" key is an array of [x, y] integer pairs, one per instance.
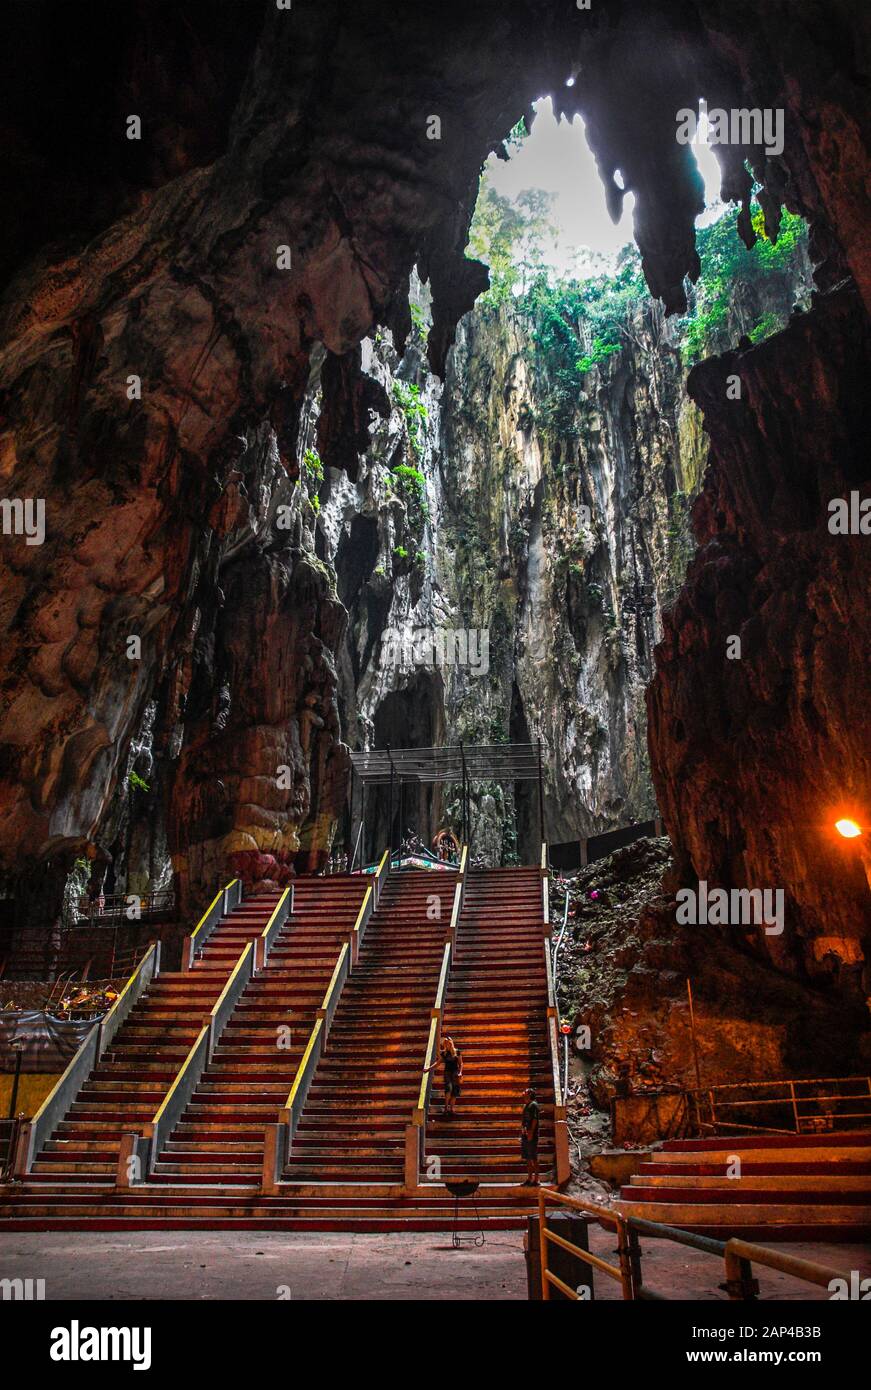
{"points": [[305, 1266]]}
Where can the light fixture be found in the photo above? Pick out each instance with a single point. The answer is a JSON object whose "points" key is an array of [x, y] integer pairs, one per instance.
{"points": [[848, 828]]}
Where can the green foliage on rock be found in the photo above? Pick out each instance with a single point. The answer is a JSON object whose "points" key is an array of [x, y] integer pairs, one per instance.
{"points": [[407, 397], [726, 262], [413, 478], [312, 465], [580, 324]]}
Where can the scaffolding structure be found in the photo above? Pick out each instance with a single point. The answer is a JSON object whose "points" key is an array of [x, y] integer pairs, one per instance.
{"points": [[465, 764]]}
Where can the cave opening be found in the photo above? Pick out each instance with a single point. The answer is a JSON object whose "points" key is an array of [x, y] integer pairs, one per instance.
{"points": [[361, 420], [563, 440]]}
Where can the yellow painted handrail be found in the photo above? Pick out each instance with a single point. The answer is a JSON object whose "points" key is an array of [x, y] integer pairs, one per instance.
{"points": [[233, 973], [430, 1053], [335, 977], [366, 896], [456, 909], [180, 1073], [464, 855], [275, 912], [543, 856], [443, 977], [206, 1028], [129, 985], [211, 907], [384, 858], [297, 1080]]}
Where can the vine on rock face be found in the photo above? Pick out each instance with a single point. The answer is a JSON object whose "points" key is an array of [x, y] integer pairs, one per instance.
{"points": [[410, 477], [407, 397]]}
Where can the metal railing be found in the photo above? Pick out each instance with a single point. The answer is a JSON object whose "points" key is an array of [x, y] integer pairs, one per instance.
{"points": [[559, 945], [146, 1145], [112, 908], [367, 907], [381, 874], [738, 1256], [415, 1130], [781, 1107], [224, 901], [560, 1124], [356, 848], [282, 910], [279, 1136]]}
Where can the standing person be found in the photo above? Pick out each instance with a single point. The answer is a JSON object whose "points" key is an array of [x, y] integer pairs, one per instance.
{"points": [[529, 1136], [452, 1060]]}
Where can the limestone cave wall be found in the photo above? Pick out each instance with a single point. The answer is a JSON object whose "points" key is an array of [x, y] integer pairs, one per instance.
{"points": [[288, 179]]}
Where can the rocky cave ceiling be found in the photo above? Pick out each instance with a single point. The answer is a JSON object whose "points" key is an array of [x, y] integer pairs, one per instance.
{"points": [[308, 128]]}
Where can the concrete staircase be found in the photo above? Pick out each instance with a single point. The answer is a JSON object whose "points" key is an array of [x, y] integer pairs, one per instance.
{"points": [[496, 1012], [791, 1187], [219, 1139], [309, 1207], [133, 1075], [353, 1125], [347, 1161]]}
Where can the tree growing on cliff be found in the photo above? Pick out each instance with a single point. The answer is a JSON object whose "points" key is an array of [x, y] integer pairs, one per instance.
{"points": [[510, 237]]}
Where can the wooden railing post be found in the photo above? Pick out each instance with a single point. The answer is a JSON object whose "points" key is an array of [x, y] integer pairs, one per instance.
{"points": [[738, 1255], [542, 1246], [740, 1284]]}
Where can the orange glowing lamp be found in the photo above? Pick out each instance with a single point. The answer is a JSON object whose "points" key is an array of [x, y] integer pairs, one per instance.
{"points": [[848, 828]]}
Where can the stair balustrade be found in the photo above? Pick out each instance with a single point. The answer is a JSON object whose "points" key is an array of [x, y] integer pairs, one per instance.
{"points": [[415, 1130], [278, 1138], [224, 901], [561, 1129], [34, 1132], [283, 910], [139, 1151], [738, 1256], [367, 907]]}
